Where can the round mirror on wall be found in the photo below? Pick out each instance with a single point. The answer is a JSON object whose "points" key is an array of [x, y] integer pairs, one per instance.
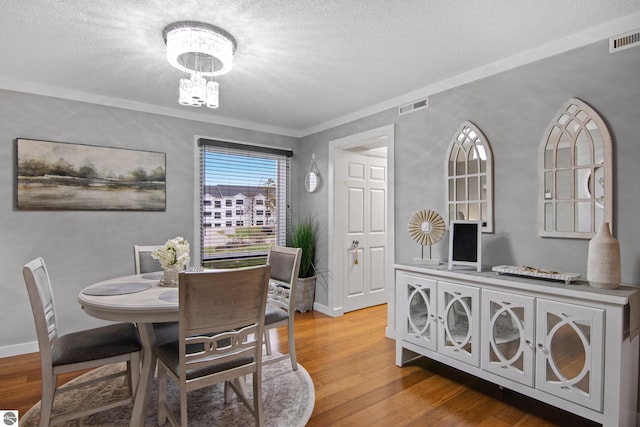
{"points": [[312, 179]]}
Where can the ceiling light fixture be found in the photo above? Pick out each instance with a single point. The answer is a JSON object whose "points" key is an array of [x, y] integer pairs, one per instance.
{"points": [[203, 51]]}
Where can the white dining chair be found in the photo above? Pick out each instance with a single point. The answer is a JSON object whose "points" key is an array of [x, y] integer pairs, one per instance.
{"points": [[76, 351], [143, 261], [280, 310], [232, 303]]}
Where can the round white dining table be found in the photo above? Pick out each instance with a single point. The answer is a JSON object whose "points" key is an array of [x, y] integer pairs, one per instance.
{"points": [[139, 299]]}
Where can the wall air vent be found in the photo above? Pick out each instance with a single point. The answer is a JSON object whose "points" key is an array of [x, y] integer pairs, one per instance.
{"points": [[413, 106], [624, 41]]}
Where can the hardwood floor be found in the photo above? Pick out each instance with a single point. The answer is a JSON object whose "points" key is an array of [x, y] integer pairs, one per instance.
{"points": [[352, 365]]}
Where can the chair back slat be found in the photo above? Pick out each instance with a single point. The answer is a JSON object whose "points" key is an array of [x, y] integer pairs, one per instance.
{"points": [[220, 346], [50, 319], [144, 262], [279, 294], [285, 263], [36, 278]]}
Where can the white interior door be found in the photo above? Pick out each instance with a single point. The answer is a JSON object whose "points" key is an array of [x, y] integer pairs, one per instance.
{"points": [[361, 215]]}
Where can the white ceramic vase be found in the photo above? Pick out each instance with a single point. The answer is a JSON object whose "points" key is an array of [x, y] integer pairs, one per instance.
{"points": [[603, 262]]}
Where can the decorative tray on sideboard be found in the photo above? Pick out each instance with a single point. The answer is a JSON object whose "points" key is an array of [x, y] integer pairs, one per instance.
{"points": [[538, 273]]}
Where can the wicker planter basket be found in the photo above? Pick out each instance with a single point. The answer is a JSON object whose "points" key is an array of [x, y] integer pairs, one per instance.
{"points": [[305, 293]]}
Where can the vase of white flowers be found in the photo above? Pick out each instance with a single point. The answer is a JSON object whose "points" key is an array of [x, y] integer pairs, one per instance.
{"points": [[173, 256]]}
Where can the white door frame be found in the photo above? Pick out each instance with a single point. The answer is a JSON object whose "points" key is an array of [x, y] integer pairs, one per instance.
{"points": [[335, 296]]}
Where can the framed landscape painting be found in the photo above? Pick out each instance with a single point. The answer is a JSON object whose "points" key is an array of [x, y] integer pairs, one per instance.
{"points": [[63, 176]]}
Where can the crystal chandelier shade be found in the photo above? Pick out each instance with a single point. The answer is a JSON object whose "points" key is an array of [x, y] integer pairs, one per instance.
{"points": [[202, 51]]}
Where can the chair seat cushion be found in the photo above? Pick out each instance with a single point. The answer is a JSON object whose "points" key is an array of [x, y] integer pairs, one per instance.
{"points": [[97, 343], [169, 354], [166, 332], [274, 314]]}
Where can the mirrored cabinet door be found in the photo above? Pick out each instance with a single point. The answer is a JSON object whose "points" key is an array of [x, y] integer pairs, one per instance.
{"points": [[570, 352], [576, 177], [508, 335], [420, 322], [458, 315]]}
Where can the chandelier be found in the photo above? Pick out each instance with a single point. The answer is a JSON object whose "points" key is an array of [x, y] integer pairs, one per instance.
{"points": [[202, 51]]}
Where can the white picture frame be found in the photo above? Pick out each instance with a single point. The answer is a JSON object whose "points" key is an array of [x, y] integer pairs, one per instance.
{"points": [[465, 244]]}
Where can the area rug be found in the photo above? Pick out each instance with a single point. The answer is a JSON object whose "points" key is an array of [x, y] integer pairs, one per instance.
{"points": [[288, 397]]}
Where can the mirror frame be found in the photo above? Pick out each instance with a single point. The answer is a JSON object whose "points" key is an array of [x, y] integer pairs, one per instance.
{"points": [[470, 133], [566, 127]]}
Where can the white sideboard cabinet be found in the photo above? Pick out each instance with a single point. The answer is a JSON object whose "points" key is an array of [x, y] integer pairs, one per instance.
{"points": [[568, 345]]}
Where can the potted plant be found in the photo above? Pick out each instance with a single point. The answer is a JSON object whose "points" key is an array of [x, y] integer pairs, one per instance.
{"points": [[304, 236]]}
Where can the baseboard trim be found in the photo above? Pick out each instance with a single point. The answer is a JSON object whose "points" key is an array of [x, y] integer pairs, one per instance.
{"points": [[19, 349], [390, 333], [327, 310]]}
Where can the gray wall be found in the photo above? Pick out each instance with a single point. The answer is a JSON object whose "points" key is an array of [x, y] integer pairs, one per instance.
{"points": [[513, 109], [84, 247]]}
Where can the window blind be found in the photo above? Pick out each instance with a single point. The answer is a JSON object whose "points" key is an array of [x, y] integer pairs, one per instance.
{"points": [[245, 200]]}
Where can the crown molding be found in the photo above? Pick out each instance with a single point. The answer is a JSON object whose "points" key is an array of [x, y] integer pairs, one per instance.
{"points": [[91, 98], [555, 47]]}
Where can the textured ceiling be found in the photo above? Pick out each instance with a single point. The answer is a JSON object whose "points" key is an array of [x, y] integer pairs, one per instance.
{"points": [[299, 65]]}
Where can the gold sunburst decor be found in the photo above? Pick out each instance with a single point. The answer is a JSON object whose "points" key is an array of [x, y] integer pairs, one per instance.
{"points": [[427, 228]]}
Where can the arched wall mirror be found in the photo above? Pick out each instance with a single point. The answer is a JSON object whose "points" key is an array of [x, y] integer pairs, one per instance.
{"points": [[470, 177], [575, 184]]}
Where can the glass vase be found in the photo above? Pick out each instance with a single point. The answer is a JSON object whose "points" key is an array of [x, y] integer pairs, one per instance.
{"points": [[170, 277]]}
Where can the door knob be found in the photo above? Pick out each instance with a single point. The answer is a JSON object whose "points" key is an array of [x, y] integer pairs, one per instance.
{"points": [[355, 244]]}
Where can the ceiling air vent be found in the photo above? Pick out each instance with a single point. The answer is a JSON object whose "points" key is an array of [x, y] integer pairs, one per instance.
{"points": [[413, 106], [624, 41]]}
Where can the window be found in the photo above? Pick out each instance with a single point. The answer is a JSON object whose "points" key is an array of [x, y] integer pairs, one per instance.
{"points": [[217, 204], [217, 215], [206, 213], [207, 202], [245, 176], [260, 212]]}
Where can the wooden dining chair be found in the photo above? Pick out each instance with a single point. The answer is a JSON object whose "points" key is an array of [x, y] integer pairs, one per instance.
{"points": [[143, 261], [285, 263], [232, 303], [76, 351]]}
